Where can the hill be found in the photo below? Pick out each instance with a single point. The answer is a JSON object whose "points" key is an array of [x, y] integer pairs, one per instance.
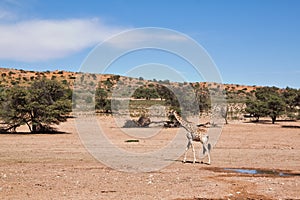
{"points": [[97, 90], [9, 77]]}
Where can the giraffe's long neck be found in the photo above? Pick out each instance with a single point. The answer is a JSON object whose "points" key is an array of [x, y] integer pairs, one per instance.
{"points": [[183, 123]]}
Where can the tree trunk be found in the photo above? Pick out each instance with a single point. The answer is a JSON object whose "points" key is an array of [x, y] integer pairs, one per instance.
{"points": [[30, 129], [273, 119], [34, 128]]}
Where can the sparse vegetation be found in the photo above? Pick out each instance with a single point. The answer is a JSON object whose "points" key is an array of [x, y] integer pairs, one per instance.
{"points": [[253, 100], [101, 100], [145, 93], [11, 73]]}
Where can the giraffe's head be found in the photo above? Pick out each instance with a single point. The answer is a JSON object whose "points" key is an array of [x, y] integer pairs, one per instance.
{"points": [[173, 112], [170, 113], [174, 115]]}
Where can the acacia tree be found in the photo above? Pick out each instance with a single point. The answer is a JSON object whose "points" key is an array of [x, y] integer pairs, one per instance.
{"points": [[292, 100], [43, 103], [204, 100], [101, 100], [168, 95], [49, 103], [13, 110], [268, 101], [145, 93], [255, 108]]}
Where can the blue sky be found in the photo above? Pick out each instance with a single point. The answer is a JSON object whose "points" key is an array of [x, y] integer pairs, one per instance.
{"points": [[253, 42]]}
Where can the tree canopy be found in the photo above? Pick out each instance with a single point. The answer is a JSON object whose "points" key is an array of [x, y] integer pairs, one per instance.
{"points": [[101, 100], [268, 101], [42, 104]]}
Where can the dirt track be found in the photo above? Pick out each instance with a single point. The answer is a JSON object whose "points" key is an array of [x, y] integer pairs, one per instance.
{"points": [[57, 166]]}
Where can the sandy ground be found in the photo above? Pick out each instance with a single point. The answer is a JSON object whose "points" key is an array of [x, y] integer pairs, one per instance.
{"points": [[57, 166]]}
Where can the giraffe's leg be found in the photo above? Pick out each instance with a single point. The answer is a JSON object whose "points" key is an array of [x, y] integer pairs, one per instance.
{"points": [[205, 147], [186, 150], [194, 153]]}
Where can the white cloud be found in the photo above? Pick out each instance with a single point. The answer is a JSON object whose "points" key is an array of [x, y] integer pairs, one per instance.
{"points": [[41, 40], [38, 40], [147, 36], [7, 15]]}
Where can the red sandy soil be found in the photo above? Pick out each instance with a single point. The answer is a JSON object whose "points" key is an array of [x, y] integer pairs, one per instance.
{"points": [[57, 166]]}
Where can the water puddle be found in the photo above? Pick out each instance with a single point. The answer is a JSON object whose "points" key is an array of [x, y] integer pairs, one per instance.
{"points": [[261, 172]]}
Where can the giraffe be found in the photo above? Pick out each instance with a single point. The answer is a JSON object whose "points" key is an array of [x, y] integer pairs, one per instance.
{"points": [[193, 134]]}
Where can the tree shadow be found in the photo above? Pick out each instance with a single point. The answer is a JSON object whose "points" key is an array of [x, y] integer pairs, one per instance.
{"points": [[269, 122], [261, 121], [34, 133], [187, 162], [290, 126], [286, 120]]}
